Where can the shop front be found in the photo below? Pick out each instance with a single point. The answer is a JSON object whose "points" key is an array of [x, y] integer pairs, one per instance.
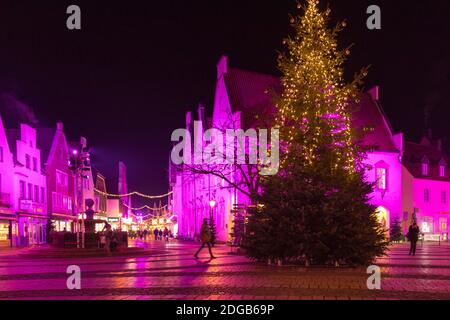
{"points": [[32, 230], [8, 230], [63, 222], [434, 227]]}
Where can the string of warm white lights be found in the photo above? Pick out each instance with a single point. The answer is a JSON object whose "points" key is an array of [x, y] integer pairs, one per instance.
{"points": [[144, 207], [135, 193]]}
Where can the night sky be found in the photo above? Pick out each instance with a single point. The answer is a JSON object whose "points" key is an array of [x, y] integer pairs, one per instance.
{"points": [[127, 78]]}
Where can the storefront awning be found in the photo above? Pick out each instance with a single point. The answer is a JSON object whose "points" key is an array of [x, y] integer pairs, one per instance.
{"points": [[8, 216], [31, 215], [60, 216]]}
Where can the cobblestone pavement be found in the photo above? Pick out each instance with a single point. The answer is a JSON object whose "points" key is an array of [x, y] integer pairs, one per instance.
{"points": [[169, 271]]}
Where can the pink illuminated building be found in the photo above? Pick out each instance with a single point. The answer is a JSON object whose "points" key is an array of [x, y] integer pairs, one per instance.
{"points": [[8, 218], [29, 187], [410, 180], [60, 180]]}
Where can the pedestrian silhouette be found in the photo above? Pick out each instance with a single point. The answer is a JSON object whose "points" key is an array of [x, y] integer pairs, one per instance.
{"points": [[205, 236]]}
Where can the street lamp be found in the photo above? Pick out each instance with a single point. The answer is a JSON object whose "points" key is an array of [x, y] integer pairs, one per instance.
{"points": [[212, 204]]}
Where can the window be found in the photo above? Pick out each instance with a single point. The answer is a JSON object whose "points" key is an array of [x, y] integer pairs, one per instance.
{"points": [[42, 195], [426, 195], [35, 165], [443, 224], [425, 169], [427, 225], [30, 192], [36, 194], [22, 189], [381, 178], [27, 161], [442, 171], [444, 196], [61, 179], [1, 154]]}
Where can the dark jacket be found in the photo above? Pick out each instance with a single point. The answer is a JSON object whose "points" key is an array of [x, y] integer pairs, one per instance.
{"points": [[413, 233], [205, 234]]}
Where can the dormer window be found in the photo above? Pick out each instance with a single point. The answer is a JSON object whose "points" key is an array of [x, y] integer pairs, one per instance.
{"points": [[425, 169], [442, 171], [425, 166], [442, 165]]}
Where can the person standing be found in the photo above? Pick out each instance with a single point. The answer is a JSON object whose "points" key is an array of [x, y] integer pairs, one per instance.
{"points": [[205, 235], [156, 233], [108, 236], [160, 234], [413, 237]]}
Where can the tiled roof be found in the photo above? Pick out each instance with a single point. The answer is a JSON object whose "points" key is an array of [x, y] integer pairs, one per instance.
{"points": [[369, 115], [252, 94], [413, 155]]}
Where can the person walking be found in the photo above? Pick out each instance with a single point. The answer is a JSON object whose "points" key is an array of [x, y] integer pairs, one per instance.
{"points": [[205, 235], [413, 237], [108, 237], [160, 234], [166, 234], [156, 233]]}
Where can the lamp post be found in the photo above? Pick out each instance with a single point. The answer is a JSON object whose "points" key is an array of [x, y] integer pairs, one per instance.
{"points": [[212, 204]]}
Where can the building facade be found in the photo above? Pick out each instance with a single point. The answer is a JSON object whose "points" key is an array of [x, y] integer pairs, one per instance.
{"points": [[8, 218], [30, 186], [243, 98], [60, 180]]}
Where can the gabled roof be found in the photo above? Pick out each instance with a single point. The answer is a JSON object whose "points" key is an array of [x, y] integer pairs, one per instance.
{"points": [[252, 94], [413, 156], [45, 138], [369, 115], [12, 135]]}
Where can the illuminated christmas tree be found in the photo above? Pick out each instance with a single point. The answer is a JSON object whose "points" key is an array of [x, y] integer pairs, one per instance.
{"points": [[317, 208], [316, 105]]}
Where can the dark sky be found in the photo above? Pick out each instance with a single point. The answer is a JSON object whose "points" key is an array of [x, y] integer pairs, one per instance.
{"points": [[127, 78]]}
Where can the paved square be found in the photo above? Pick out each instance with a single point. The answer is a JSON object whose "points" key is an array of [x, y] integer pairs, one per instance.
{"points": [[169, 271]]}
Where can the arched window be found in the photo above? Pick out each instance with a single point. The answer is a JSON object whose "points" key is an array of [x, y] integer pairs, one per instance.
{"points": [[381, 176]]}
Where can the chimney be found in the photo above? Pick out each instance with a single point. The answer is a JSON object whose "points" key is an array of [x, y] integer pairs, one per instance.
{"points": [[60, 126], [222, 67], [201, 113]]}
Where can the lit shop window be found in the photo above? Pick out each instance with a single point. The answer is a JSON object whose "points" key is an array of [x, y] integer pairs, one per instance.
{"points": [[427, 225], [381, 178]]}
